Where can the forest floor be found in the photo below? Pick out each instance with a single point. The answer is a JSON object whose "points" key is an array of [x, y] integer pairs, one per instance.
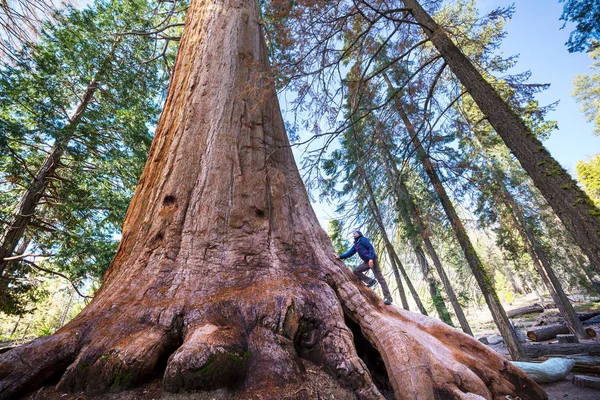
{"points": [[564, 389]]}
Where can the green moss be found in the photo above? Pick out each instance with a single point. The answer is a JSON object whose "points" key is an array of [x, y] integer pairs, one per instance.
{"points": [[567, 186], [554, 169], [82, 366], [222, 361], [122, 379]]}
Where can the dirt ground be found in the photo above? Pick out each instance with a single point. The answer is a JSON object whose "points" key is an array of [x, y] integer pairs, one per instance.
{"points": [[566, 390]]}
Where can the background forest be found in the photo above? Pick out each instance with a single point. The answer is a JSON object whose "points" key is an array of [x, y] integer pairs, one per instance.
{"points": [[388, 139]]}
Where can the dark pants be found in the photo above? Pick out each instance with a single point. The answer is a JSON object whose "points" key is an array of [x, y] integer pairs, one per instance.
{"points": [[358, 271]]}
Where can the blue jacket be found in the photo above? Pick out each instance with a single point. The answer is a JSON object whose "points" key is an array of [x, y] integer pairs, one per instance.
{"points": [[365, 249]]}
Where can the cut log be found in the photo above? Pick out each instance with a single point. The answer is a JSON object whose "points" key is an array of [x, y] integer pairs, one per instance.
{"points": [[534, 308], [586, 364], [541, 350], [553, 370], [570, 338], [551, 331], [591, 332], [592, 320], [546, 332], [591, 382], [585, 316]]}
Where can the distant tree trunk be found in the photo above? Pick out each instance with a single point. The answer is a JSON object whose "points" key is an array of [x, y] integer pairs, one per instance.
{"points": [[513, 278], [434, 290], [403, 300], [481, 276], [391, 251], [535, 250], [542, 265], [224, 274], [396, 263], [25, 211], [402, 195], [14, 330], [570, 203]]}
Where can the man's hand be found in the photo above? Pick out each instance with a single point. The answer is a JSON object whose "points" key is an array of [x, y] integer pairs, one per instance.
{"points": [[370, 263], [337, 257]]}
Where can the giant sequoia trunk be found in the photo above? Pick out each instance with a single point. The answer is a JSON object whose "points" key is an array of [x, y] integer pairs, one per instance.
{"points": [[572, 205], [224, 276]]}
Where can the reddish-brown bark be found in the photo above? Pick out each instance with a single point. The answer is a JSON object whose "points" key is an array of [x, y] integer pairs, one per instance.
{"points": [[224, 274]]}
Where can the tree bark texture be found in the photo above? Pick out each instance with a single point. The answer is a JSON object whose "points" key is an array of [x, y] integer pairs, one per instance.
{"points": [[572, 205], [224, 276]]}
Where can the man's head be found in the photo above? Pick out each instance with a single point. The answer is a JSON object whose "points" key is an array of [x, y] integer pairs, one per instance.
{"points": [[357, 234]]}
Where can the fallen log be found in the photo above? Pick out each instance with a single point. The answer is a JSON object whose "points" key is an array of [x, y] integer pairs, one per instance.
{"points": [[585, 316], [583, 363], [591, 382], [555, 369], [541, 350], [546, 332], [551, 331], [592, 320], [534, 308]]}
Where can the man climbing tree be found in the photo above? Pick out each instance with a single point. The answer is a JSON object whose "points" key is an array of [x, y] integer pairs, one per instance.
{"points": [[366, 252], [225, 280]]}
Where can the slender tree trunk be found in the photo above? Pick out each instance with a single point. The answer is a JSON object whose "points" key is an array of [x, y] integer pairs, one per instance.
{"points": [[434, 290], [535, 250], [542, 265], [423, 230], [481, 276], [391, 251], [570, 203], [394, 267], [14, 330], [224, 272], [513, 278], [24, 212], [402, 194]]}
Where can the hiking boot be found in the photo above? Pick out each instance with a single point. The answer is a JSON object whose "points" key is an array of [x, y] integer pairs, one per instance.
{"points": [[387, 301], [372, 283]]}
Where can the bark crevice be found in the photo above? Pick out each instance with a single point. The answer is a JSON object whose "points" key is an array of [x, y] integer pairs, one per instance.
{"points": [[369, 354]]}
